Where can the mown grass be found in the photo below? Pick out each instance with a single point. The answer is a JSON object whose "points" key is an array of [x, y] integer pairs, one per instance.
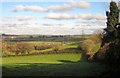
{"points": [[52, 58], [51, 65]]}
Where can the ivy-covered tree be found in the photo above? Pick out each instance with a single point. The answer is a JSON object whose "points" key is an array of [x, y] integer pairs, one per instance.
{"points": [[112, 21], [110, 48], [112, 17]]}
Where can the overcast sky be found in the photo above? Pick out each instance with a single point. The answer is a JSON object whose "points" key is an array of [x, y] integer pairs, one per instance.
{"points": [[48, 18]]}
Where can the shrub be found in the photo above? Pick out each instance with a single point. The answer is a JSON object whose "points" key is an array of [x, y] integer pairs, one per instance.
{"points": [[69, 51], [23, 48], [91, 45], [112, 53], [87, 46], [42, 47], [4, 46], [56, 49], [96, 37], [100, 55]]}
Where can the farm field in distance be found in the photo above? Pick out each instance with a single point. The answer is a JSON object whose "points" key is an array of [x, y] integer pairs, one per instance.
{"points": [[44, 44]]}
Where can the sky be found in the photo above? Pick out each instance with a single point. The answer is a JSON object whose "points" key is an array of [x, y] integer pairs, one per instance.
{"points": [[52, 18]]}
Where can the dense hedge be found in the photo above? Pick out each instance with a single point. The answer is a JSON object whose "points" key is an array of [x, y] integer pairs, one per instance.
{"points": [[24, 48], [90, 45], [46, 53]]}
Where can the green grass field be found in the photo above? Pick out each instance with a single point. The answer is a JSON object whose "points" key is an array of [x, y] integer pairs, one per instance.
{"points": [[51, 65]]}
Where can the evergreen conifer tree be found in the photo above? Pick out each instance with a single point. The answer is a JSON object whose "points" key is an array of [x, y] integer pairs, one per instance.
{"points": [[112, 17]]}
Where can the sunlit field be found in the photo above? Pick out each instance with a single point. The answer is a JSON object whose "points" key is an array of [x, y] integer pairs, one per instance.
{"points": [[68, 60], [60, 38], [51, 65]]}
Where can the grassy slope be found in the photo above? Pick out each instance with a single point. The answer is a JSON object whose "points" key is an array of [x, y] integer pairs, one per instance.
{"points": [[41, 58], [51, 65]]}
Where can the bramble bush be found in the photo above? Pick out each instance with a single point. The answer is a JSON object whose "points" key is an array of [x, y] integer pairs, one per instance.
{"points": [[90, 46], [56, 49], [42, 47], [96, 37], [22, 48], [87, 47], [4, 46]]}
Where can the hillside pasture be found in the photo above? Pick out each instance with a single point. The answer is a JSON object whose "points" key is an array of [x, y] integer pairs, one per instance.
{"points": [[51, 65]]}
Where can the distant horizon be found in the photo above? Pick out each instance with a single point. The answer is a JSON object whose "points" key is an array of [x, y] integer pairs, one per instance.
{"points": [[52, 34], [45, 34]]}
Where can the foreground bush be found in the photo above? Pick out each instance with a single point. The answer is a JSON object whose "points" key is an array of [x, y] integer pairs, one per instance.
{"points": [[90, 46], [87, 48], [100, 55], [112, 54], [96, 37]]}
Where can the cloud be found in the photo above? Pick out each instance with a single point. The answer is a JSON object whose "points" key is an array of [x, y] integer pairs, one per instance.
{"points": [[91, 16], [48, 24], [85, 16], [19, 18], [24, 18], [17, 21], [30, 28], [59, 16], [81, 4], [28, 8], [64, 7], [15, 24], [63, 16], [99, 17]]}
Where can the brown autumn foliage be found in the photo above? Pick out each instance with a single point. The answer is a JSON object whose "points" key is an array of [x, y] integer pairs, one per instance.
{"points": [[56, 49], [4, 46], [22, 48], [42, 47]]}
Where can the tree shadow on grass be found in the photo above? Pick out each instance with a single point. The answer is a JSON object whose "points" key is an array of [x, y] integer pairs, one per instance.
{"points": [[66, 61], [81, 68], [63, 68], [72, 49]]}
